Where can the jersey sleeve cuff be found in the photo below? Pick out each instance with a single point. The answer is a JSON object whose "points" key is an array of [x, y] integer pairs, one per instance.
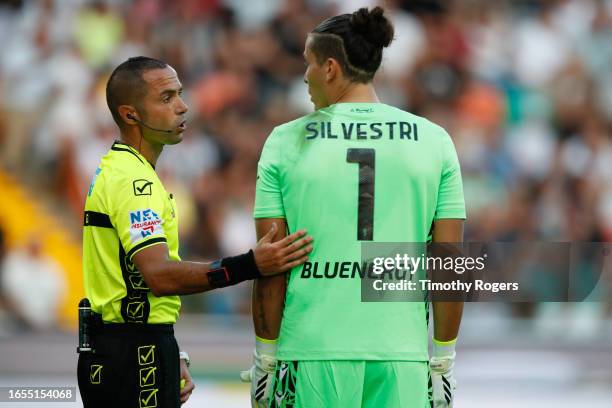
{"points": [[144, 244], [269, 213], [450, 214]]}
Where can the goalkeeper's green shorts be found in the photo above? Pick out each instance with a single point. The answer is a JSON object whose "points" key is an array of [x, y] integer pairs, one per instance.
{"points": [[350, 384]]}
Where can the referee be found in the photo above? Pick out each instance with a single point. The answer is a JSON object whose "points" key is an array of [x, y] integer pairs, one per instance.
{"points": [[132, 271]]}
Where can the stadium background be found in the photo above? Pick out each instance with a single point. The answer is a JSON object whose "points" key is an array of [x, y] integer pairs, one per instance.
{"points": [[524, 88]]}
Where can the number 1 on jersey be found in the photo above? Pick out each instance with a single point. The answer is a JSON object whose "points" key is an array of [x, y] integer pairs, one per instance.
{"points": [[366, 158]]}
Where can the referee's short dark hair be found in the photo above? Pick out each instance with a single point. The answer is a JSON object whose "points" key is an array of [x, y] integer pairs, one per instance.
{"points": [[126, 86]]}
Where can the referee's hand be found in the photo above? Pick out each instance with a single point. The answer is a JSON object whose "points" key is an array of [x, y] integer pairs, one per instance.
{"points": [[188, 386], [274, 258]]}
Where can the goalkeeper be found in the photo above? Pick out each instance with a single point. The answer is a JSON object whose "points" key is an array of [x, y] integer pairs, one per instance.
{"points": [[353, 171]]}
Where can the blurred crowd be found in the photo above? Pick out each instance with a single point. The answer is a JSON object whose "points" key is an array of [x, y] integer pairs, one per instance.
{"points": [[524, 88]]}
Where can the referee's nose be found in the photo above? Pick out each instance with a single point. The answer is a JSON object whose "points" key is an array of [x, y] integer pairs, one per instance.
{"points": [[182, 107]]}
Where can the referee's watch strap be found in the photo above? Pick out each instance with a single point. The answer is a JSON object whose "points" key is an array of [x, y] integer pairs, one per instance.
{"points": [[184, 356], [232, 270], [218, 276]]}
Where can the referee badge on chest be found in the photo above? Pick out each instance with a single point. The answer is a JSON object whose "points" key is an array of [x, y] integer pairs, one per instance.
{"points": [[142, 187]]}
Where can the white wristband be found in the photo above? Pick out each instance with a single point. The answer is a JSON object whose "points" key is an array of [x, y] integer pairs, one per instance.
{"points": [[265, 346], [444, 348]]}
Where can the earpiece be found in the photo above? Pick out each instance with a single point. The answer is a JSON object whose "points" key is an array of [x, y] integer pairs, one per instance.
{"points": [[131, 116]]}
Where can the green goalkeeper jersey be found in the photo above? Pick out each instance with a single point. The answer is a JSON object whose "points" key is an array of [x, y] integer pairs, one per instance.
{"points": [[352, 173]]}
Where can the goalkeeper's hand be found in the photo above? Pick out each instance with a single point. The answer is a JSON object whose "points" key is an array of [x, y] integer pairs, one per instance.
{"points": [[442, 379], [261, 374]]}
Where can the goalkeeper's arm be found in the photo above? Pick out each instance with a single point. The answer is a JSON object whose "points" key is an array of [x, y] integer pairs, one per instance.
{"points": [[268, 299], [268, 295], [447, 319]]}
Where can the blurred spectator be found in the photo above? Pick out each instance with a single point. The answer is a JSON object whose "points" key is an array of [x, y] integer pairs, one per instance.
{"points": [[3, 301], [540, 49], [99, 30], [33, 286]]}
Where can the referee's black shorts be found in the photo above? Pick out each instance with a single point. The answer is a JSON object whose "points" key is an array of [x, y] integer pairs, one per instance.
{"points": [[133, 366]]}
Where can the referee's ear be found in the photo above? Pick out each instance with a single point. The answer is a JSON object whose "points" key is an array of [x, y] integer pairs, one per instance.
{"points": [[128, 115]]}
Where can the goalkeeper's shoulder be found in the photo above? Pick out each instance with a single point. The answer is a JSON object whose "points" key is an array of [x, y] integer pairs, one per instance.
{"points": [[294, 126]]}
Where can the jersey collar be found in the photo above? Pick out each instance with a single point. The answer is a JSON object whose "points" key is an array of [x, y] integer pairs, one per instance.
{"points": [[122, 147]]}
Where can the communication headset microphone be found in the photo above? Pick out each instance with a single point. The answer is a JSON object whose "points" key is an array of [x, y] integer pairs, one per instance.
{"points": [[130, 116]]}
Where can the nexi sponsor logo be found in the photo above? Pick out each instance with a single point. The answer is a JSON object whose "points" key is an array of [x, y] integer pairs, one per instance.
{"points": [[144, 223]]}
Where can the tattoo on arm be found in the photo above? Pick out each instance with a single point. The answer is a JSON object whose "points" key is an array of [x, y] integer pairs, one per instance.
{"points": [[263, 324]]}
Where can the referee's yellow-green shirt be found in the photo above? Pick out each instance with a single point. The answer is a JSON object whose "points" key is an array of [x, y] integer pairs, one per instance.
{"points": [[127, 209]]}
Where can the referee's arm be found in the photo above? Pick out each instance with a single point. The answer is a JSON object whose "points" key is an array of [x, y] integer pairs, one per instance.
{"points": [[166, 277]]}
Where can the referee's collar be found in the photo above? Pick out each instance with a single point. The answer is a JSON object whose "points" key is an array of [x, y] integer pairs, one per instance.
{"points": [[123, 147]]}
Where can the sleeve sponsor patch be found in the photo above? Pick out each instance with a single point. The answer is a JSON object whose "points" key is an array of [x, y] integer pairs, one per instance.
{"points": [[144, 223]]}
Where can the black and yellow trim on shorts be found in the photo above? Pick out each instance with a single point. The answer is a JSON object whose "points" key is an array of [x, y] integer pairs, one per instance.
{"points": [[148, 371]]}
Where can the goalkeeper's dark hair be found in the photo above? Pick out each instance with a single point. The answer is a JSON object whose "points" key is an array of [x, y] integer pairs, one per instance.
{"points": [[355, 40], [126, 85]]}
